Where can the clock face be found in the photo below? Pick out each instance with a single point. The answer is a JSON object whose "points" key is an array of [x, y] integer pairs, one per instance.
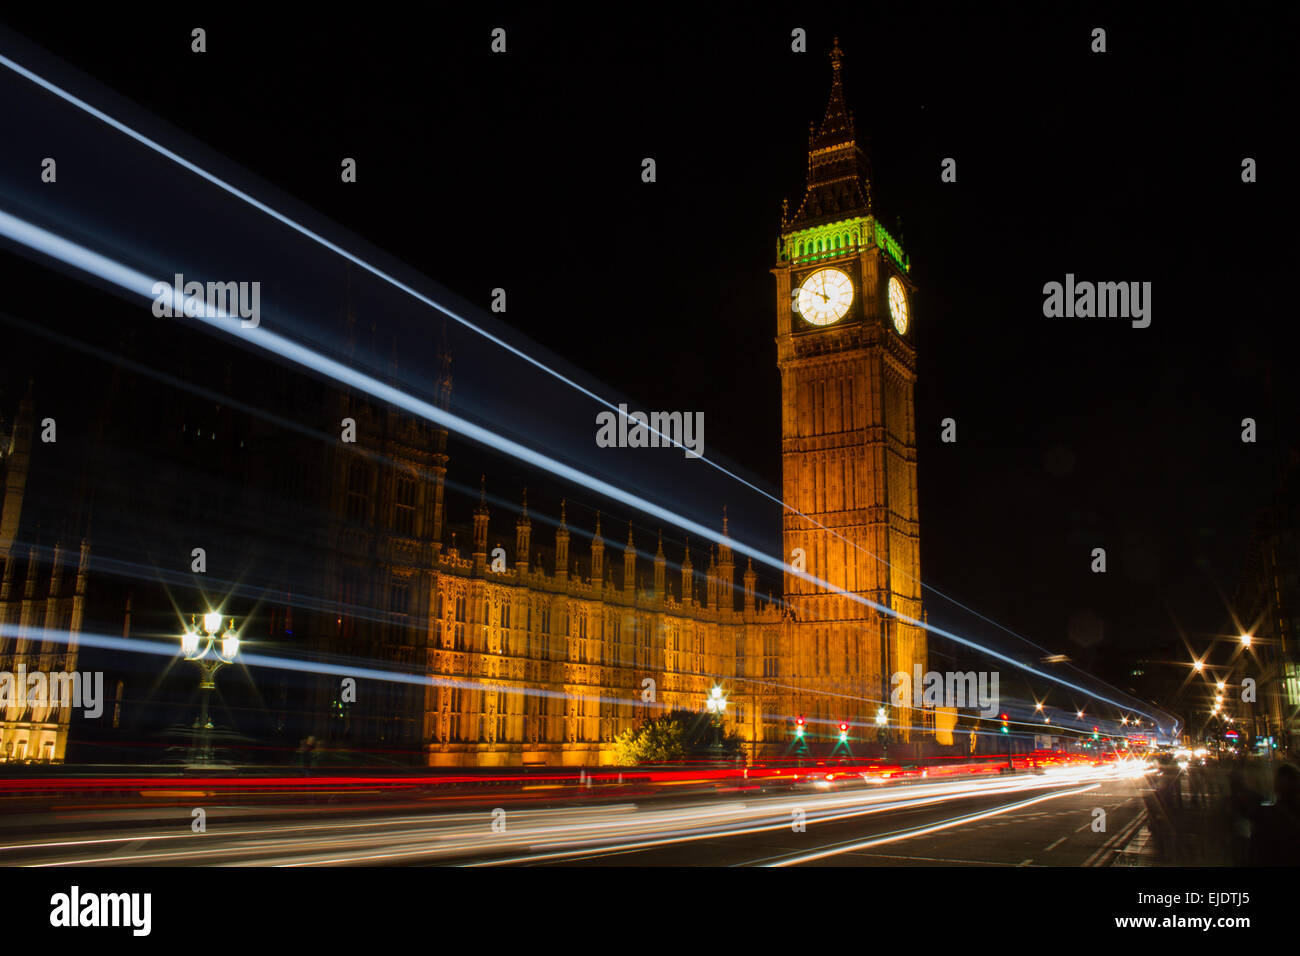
{"points": [[825, 296], [898, 304]]}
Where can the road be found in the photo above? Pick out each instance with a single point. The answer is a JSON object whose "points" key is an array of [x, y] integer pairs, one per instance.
{"points": [[1025, 819]]}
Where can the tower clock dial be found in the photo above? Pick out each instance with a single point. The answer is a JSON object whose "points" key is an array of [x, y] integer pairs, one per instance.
{"points": [[825, 296], [898, 304]]}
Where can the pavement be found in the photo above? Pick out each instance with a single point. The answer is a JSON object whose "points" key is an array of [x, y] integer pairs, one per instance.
{"points": [[1191, 823]]}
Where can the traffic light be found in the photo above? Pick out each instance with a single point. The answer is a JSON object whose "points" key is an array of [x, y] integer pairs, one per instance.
{"points": [[1094, 733], [1004, 724], [798, 726], [844, 732]]}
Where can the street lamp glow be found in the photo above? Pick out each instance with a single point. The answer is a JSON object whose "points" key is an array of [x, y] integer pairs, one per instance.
{"points": [[1079, 714], [1038, 705], [1220, 685], [881, 718], [197, 645], [1199, 666], [1245, 640]]}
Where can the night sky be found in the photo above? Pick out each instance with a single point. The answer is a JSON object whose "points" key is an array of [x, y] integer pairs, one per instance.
{"points": [[523, 171]]}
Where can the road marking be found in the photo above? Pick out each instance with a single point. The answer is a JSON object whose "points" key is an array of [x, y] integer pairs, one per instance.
{"points": [[1117, 843], [928, 859], [795, 859], [1026, 862], [1055, 845]]}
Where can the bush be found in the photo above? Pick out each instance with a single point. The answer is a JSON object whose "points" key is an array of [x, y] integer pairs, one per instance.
{"points": [[675, 737]]}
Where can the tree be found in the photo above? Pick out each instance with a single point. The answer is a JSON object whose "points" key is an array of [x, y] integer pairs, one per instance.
{"points": [[676, 736]]}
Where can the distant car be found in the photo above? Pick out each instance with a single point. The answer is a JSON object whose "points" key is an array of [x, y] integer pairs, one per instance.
{"points": [[1168, 765]]}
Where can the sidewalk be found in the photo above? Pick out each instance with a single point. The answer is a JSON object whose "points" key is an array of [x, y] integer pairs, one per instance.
{"points": [[1187, 828]]}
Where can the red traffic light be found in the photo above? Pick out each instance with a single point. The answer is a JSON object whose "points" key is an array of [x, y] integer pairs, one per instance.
{"points": [[799, 721], [844, 728]]}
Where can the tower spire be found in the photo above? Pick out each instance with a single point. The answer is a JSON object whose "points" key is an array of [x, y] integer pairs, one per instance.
{"points": [[562, 546], [523, 536], [838, 120], [839, 172], [598, 556], [481, 526]]}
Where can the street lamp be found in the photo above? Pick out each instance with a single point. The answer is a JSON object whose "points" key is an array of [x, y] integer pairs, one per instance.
{"points": [[1245, 640], [717, 706], [199, 644]]}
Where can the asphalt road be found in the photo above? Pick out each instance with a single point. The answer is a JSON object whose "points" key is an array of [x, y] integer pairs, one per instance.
{"points": [[1016, 820]]}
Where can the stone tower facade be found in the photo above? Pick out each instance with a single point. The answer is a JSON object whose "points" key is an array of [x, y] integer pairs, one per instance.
{"points": [[848, 370]]}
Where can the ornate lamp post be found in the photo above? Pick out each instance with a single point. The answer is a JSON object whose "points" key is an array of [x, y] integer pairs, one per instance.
{"points": [[717, 706], [199, 644]]}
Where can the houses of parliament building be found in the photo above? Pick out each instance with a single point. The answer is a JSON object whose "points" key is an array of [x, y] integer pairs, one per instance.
{"points": [[533, 661]]}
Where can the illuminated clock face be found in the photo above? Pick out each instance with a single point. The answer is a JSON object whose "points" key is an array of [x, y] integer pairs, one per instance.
{"points": [[825, 296], [898, 304]]}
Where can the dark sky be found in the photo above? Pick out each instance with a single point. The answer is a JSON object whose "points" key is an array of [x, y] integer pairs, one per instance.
{"points": [[522, 171]]}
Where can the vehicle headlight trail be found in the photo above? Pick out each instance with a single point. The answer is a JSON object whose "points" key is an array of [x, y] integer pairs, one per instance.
{"points": [[135, 282], [315, 237]]}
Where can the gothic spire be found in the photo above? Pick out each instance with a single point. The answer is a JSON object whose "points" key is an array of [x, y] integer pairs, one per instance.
{"points": [[839, 172], [837, 124]]}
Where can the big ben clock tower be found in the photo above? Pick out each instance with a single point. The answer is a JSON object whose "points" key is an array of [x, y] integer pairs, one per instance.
{"points": [[848, 371]]}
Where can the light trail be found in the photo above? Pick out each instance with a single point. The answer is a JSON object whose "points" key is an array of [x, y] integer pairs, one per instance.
{"points": [[133, 281], [541, 834], [909, 834], [310, 234]]}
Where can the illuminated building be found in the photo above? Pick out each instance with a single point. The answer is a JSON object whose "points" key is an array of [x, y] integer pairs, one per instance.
{"points": [[36, 591], [546, 660], [564, 654], [848, 371]]}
